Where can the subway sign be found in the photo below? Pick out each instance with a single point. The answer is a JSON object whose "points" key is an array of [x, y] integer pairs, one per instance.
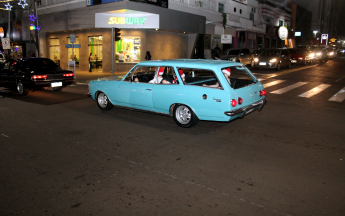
{"points": [[127, 19]]}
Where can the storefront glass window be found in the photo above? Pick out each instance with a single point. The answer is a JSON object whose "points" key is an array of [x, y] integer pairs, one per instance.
{"points": [[95, 47], [55, 50], [17, 51], [73, 54], [128, 49]]}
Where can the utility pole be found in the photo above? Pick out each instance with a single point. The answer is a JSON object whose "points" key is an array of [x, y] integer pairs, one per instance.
{"points": [[36, 30]]}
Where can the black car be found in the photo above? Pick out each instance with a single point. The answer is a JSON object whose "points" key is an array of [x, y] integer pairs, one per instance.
{"points": [[33, 74]]}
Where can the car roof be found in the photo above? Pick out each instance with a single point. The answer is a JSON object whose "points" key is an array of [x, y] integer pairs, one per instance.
{"points": [[191, 63]]}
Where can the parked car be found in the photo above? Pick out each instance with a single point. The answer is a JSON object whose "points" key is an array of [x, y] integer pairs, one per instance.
{"points": [[243, 56], [318, 54], [273, 58], [299, 56], [33, 74], [197, 90]]}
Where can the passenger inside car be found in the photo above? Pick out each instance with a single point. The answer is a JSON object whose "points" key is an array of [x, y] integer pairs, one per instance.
{"points": [[226, 73]]}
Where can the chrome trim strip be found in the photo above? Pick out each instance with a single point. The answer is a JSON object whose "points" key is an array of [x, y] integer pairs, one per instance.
{"points": [[243, 110]]}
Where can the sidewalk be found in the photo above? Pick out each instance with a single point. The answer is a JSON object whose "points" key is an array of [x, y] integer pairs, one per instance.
{"points": [[83, 77]]}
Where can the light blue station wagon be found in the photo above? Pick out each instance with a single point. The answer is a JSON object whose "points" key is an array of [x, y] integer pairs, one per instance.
{"points": [[189, 90]]}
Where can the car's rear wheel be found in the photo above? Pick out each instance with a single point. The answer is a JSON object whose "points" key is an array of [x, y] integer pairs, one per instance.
{"points": [[184, 116], [21, 90], [57, 88], [103, 102]]}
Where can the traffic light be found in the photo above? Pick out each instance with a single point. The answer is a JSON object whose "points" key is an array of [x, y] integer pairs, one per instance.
{"points": [[117, 34]]}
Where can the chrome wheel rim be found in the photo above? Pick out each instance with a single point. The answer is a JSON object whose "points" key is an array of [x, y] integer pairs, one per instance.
{"points": [[102, 100], [183, 114], [20, 88]]}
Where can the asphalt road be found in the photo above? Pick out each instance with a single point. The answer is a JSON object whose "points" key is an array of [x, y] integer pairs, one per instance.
{"points": [[61, 155]]}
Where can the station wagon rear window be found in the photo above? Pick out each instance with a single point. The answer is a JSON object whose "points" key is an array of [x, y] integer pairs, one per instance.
{"points": [[240, 77]]}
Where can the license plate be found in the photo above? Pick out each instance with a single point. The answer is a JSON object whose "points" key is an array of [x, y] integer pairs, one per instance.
{"points": [[56, 84], [262, 63], [249, 111], [293, 61]]}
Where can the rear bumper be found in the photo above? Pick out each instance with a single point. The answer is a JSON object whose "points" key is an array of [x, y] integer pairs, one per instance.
{"points": [[42, 83], [244, 110]]}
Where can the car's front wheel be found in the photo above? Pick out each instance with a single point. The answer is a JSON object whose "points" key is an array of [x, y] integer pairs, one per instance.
{"points": [[184, 116], [278, 66], [21, 90], [103, 102]]}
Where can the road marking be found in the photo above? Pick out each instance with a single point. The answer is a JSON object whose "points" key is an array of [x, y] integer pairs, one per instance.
{"points": [[273, 83], [339, 96], [340, 79], [286, 72], [314, 91], [288, 88]]}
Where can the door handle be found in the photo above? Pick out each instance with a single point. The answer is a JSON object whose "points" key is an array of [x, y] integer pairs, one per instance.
{"points": [[148, 89]]}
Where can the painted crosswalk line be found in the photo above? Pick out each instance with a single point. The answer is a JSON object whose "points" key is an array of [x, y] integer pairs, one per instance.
{"points": [[288, 88], [339, 96], [273, 83], [314, 91]]}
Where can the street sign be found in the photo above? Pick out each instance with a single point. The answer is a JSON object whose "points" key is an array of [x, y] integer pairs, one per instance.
{"points": [[72, 45], [72, 38], [6, 43]]}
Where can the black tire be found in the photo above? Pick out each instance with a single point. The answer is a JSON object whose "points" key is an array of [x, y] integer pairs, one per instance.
{"points": [[21, 90], [289, 65], [103, 102], [57, 89], [278, 66], [184, 116]]}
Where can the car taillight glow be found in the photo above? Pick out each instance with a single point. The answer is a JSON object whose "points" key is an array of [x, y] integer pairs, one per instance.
{"points": [[240, 101], [262, 93], [68, 75], [233, 102], [39, 76]]}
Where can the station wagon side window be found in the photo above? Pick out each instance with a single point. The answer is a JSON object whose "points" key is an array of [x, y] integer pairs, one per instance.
{"points": [[240, 77], [168, 77], [199, 77], [141, 74]]}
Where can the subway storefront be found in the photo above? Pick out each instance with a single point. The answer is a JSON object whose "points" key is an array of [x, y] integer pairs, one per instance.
{"points": [[152, 31]]}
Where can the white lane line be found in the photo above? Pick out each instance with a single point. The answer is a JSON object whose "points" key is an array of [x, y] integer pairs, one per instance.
{"points": [[339, 96], [288, 88], [273, 83], [314, 91]]}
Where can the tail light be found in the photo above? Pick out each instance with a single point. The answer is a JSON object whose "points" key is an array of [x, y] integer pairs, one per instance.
{"points": [[240, 100], [39, 76], [262, 93], [233, 102], [13, 63], [68, 75]]}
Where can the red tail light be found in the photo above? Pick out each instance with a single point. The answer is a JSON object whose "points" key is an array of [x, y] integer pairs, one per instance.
{"points": [[233, 102], [39, 76], [68, 75], [240, 101], [14, 62], [262, 93]]}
